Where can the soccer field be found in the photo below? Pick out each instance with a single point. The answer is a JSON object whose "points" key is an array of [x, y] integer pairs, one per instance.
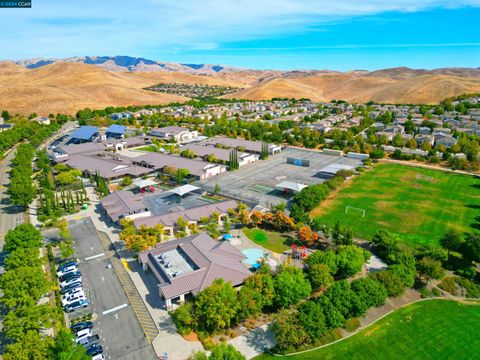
{"points": [[417, 204], [433, 329]]}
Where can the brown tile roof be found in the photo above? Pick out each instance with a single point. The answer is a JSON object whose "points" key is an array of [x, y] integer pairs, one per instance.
{"points": [[192, 214], [213, 260], [121, 203]]}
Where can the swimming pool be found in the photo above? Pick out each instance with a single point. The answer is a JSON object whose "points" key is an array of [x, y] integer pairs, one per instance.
{"points": [[253, 255]]}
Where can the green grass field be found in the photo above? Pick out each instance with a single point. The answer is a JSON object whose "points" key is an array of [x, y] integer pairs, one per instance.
{"points": [[271, 240], [434, 329], [148, 148], [401, 199]]}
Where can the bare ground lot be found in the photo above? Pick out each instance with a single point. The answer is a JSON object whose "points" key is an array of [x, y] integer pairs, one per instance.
{"points": [[255, 183]]}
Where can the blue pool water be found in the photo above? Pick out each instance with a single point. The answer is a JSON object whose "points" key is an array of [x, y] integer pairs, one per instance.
{"points": [[253, 255]]}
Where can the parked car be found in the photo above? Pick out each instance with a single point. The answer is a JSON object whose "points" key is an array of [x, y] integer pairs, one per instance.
{"points": [[62, 266], [88, 341], [71, 281], [76, 305], [82, 332], [69, 275], [95, 349], [83, 335], [70, 287], [98, 357], [81, 325], [74, 291], [66, 269], [71, 299]]}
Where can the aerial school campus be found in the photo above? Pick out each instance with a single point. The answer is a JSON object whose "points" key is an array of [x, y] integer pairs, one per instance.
{"points": [[328, 209], [247, 247]]}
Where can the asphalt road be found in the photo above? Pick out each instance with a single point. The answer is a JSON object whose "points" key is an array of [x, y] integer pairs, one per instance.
{"points": [[8, 213], [115, 322]]}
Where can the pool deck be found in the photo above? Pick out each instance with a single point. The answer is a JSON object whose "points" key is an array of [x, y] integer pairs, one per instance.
{"points": [[242, 242]]}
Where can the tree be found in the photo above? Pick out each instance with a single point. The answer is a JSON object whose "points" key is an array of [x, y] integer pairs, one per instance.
{"points": [[25, 318], [291, 285], [312, 319], [320, 277], [32, 346], [307, 236], [327, 258], [256, 217], [391, 281], [370, 291], [23, 257], [126, 181], [289, 334], [350, 260], [23, 236], [65, 348], [216, 306], [22, 284], [471, 247], [429, 268]]}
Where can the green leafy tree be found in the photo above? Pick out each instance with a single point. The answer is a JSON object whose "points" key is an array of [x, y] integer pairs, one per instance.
{"points": [[289, 333], [320, 277], [327, 258], [23, 236], [429, 268], [216, 306], [471, 247], [25, 318], [392, 282], [312, 319], [350, 260], [32, 346], [20, 257], [370, 291], [65, 348], [22, 284], [291, 285]]}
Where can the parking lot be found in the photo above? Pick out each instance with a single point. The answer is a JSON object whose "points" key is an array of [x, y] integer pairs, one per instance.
{"points": [[121, 334], [256, 182]]}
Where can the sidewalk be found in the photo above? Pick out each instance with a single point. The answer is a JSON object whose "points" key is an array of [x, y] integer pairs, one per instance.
{"points": [[255, 342]]}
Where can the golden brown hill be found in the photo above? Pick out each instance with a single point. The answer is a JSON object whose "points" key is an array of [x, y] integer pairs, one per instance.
{"points": [[362, 87], [68, 87]]}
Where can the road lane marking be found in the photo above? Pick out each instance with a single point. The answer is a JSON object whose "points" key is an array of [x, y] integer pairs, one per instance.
{"points": [[94, 256], [114, 309]]}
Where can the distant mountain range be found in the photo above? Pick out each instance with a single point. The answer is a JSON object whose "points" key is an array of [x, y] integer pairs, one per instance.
{"points": [[49, 86], [128, 63]]}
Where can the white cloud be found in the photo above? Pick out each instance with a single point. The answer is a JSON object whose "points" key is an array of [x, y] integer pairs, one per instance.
{"points": [[92, 27]]}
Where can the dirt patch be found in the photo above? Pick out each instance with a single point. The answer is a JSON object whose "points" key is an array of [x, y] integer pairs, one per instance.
{"points": [[191, 337]]}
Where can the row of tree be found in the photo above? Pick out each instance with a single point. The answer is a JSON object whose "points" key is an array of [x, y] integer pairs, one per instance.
{"points": [[23, 284], [22, 190]]}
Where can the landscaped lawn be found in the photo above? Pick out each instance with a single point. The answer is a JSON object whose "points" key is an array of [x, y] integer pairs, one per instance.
{"points": [[149, 148], [434, 329], [418, 204], [271, 240]]}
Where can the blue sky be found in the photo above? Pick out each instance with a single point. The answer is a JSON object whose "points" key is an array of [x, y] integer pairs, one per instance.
{"points": [[262, 34]]}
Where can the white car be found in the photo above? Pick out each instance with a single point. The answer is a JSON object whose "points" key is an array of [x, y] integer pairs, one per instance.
{"points": [[98, 357], [71, 281], [73, 291], [83, 335], [72, 298], [66, 270]]}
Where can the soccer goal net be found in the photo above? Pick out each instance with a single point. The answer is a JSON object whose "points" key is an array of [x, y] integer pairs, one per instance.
{"points": [[424, 177], [351, 209]]}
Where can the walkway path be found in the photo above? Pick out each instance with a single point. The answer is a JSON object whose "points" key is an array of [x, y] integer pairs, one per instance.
{"points": [[255, 342]]}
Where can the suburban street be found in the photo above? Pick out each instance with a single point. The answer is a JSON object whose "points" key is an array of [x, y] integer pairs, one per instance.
{"points": [[8, 212], [121, 334]]}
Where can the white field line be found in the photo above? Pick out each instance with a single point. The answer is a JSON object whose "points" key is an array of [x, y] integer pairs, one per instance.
{"points": [[114, 309], [94, 256]]}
